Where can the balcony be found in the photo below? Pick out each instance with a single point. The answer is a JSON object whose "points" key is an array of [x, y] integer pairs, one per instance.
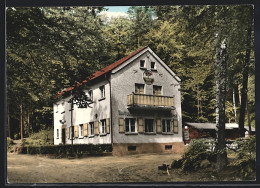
{"points": [[153, 101]]}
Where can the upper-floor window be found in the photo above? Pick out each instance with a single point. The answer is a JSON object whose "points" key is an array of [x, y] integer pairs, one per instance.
{"points": [[103, 126], [130, 125], [90, 95], [81, 130], [157, 90], [139, 88], [166, 125], [153, 65], [142, 63], [102, 91]]}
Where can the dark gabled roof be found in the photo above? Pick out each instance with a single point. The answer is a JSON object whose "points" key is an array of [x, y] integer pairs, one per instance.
{"points": [[102, 71]]}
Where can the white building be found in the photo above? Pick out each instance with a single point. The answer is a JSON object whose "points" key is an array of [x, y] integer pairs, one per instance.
{"points": [[136, 107]]}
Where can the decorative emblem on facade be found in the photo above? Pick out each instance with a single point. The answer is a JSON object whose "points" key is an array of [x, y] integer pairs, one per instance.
{"points": [[148, 77]]}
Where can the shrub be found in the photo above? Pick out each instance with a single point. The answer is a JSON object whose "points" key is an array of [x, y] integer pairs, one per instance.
{"points": [[10, 144], [196, 152], [245, 160]]}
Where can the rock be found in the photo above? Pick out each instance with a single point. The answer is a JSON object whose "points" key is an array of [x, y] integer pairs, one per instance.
{"points": [[205, 163]]}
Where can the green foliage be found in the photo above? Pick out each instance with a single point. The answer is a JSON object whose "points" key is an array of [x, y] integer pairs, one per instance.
{"points": [[10, 143], [197, 151], [245, 160], [66, 150], [43, 137]]}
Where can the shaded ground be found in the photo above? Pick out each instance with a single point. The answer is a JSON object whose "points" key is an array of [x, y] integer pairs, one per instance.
{"points": [[131, 168]]}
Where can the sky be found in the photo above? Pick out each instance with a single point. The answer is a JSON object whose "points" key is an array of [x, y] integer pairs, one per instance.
{"points": [[116, 11]]}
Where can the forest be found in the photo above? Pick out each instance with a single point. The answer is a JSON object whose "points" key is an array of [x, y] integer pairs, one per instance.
{"points": [[52, 48]]}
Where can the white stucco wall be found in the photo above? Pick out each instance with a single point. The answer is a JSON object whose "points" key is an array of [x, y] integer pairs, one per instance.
{"points": [[123, 83], [100, 109]]}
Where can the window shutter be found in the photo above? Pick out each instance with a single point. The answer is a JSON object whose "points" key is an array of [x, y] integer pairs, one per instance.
{"points": [[121, 125], [158, 126], [140, 125], [107, 124], [175, 126], [67, 132], [85, 129], [76, 131], [96, 128]]}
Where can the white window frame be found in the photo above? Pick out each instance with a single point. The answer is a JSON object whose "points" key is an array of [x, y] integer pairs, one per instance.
{"points": [[57, 133], [154, 68], [103, 126], [153, 126], [102, 92], [137, 84], [170, 126], [91, 128], [81, 133], [130, 125], [158, 87], [142, 61]]}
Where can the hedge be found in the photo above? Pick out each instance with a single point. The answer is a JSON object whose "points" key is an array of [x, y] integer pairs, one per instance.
{"points": [[78, 149]]}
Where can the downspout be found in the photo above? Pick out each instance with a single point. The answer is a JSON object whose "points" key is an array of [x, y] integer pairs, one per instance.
{"points": [[111, 119]]}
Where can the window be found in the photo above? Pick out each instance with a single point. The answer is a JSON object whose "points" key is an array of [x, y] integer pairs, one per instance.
{"points": [[149, 126], [153, 65], [130, 125], [102, 91], [91, 128], [72, 132], [139, 88], [90, 94], [157, 90], [103, 126], [168, 147], [166, 125], [58, 133], [131, 148], [142, 63], [81, 130]]}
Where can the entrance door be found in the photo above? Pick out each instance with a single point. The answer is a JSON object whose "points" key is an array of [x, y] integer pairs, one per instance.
{"points": [[63, 136]]}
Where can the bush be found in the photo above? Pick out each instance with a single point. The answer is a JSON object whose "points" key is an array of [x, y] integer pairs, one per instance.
{"points": [[245, 160], [78, 150], [10, 144], [196, 152]]}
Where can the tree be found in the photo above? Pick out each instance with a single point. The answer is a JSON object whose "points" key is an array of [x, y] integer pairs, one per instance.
{"points": [[221, 69]]}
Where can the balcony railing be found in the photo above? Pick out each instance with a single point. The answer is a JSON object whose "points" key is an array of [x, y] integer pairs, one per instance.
{"points": [[149, 100]]}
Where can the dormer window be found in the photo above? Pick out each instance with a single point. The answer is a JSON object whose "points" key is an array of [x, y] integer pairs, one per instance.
{"points": [[153, 66], [142, 64]]}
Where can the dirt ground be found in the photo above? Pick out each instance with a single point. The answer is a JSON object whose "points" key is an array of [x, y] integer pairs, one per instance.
{"points": [[98, 169]]}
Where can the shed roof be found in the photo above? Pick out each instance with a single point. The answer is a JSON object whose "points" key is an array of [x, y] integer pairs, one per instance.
{"points": [[213, 126], [103, 71]]}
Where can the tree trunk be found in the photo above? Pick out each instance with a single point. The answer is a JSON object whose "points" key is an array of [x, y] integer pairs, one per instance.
{"points": [[234, 106], [220, 67], [28, 121], [248, 119], [8, 120], [245, 80], [21, 120]]}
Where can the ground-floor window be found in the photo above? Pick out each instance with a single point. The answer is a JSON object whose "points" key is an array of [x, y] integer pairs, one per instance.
{"points": [[91, 128], [130, 125], [81, 130], [149, 125], [166, 126], [58, 133], [103, 126]]}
